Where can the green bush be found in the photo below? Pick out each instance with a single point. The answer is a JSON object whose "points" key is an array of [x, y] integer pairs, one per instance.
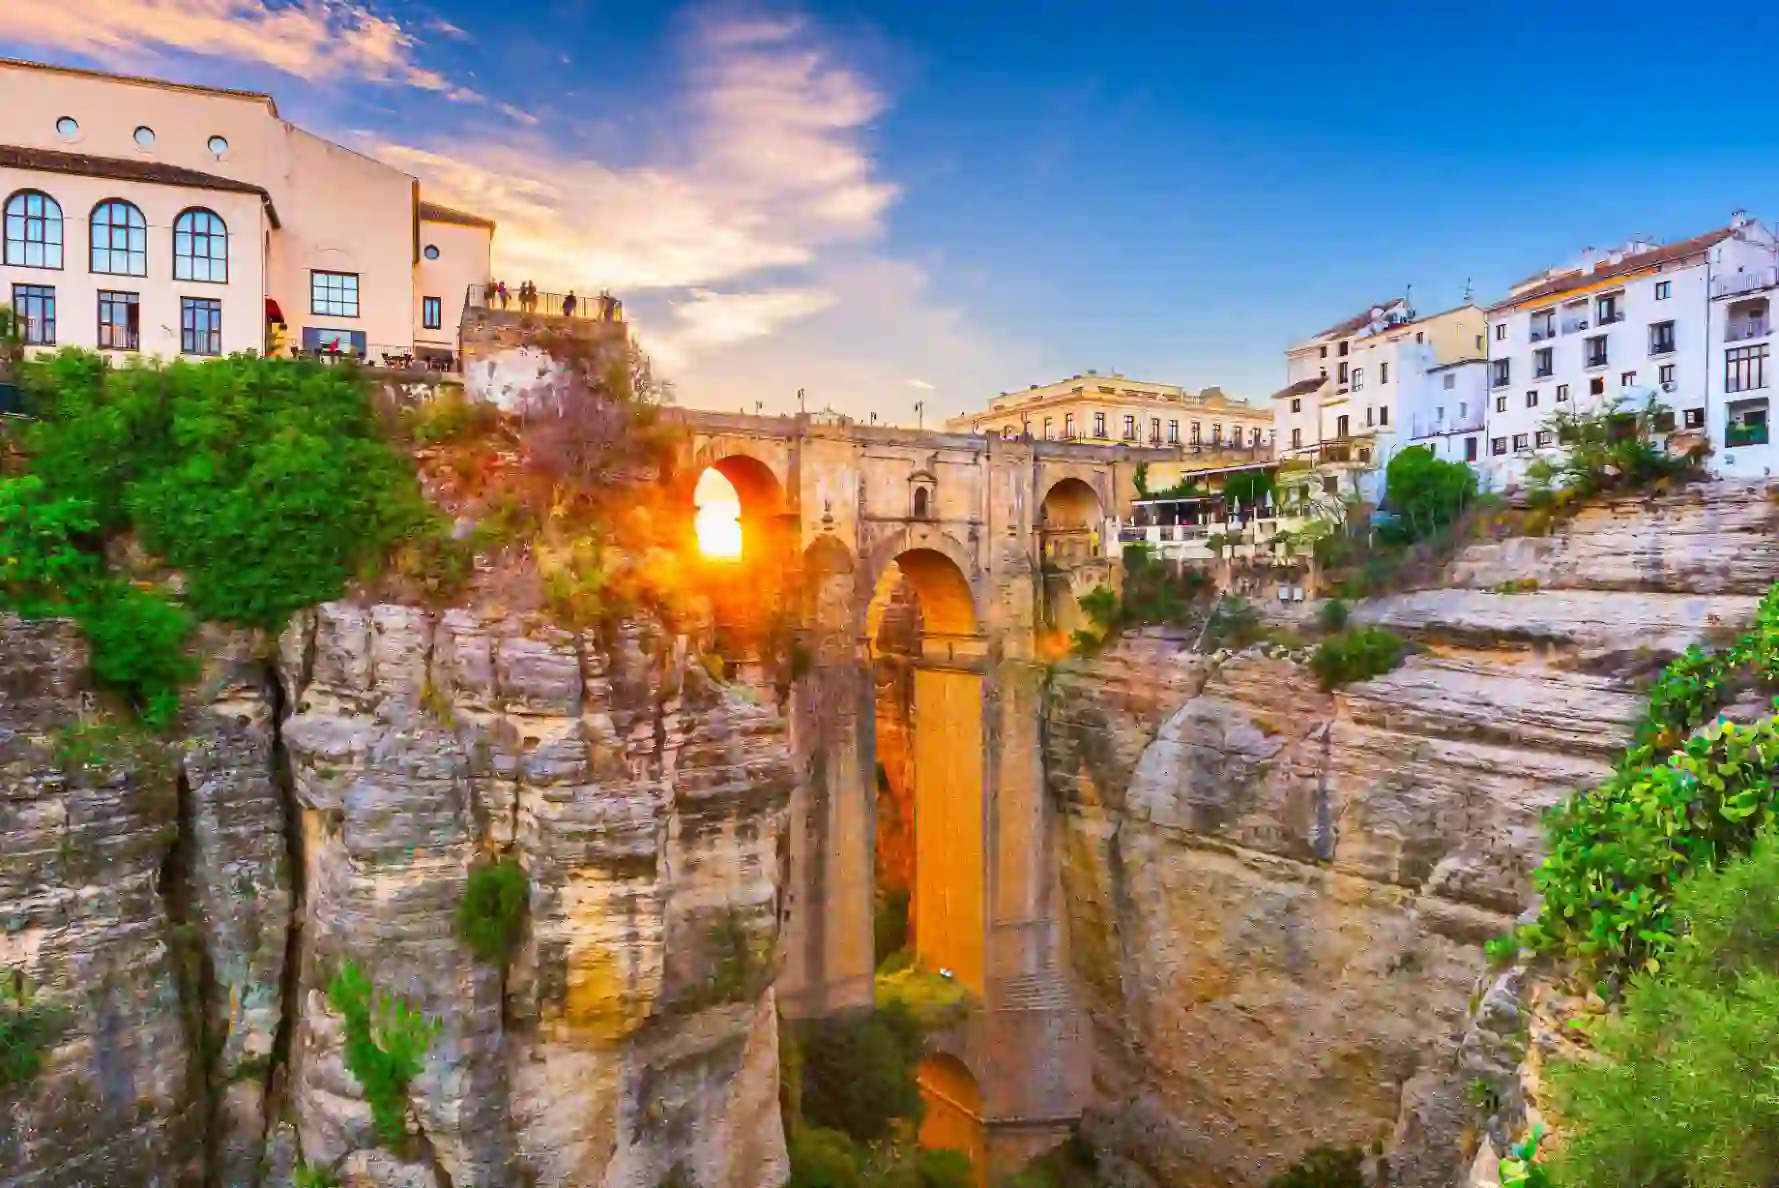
{"points": [[940, 1167], [1324, 1167], [934, 1000], [858, 1071], [27, 1029], [1356, 655], [386, 1042], [1334, 615], [1234, 624], [1425, 493], [822, 1158], [491, 914], [308, 1175], [1685, 1086], [1610, 449]]}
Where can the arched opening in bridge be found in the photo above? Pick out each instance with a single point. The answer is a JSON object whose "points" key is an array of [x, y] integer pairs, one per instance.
{"points": [[1071, 521], [953, 1117], [927, 653], [739, 530]]}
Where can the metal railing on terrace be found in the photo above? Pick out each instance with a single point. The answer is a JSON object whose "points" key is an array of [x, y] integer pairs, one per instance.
{"points": [[1744, 282], [1753, 328], [388, 356], [593, 307]]}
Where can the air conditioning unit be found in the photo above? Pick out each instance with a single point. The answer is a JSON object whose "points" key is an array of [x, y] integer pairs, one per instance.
{"points": [[1669, 386]]}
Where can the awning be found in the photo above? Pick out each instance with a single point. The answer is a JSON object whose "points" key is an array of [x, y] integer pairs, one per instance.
{"points": [[274, 315]]}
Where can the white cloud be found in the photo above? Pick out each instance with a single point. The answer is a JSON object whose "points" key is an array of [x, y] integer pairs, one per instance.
{"points": [[921, 384], [720, 319], [314, 40]]}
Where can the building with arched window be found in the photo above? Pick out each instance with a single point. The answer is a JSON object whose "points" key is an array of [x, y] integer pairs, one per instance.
{"points": [[149, 216]]}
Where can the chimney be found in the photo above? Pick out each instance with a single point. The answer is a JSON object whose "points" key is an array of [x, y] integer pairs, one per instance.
{"points": [[1588, 260], [1739, 219]]}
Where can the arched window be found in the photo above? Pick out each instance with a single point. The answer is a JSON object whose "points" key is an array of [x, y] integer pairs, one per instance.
{"points": [[33, 230], [120, 239], [200, 247], [920, 503]]}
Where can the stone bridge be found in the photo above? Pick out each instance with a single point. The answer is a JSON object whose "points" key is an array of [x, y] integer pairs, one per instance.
{"points": [[854, 521]]}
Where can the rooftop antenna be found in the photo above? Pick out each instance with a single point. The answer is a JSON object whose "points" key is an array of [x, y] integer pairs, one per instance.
{"points": [[1467, 299], [800, 400]]}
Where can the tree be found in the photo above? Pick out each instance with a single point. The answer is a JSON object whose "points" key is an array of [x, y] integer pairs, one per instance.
{"points": [[1426, 493]]}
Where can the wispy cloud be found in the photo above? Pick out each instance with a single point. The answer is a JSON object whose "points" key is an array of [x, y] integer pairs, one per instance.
{"points": [[921, 384], [314, 40]]}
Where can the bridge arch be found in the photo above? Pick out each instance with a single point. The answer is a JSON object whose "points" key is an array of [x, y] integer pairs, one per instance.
{"points": [[937, 565], [953, 1117]]}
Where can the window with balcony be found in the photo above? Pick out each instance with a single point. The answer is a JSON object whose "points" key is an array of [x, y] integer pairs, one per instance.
{"points": [[1341, 426], [1173, 432], [1544, 324], [1498, 446], [1047, 433], [1068, 425], [1297, 439], [1450, 381], [1562, 393], [1358, 379], [1747, 423], [1543, 364], [1522, 442], [1500, 373], [1594, 351], [1196, 435], [1500, 404], [1665, 376], [1664, 290], [1099, 424], [1532, 399], [1746, 320], [1575, 316], [1694, 418], [35, 308], [1470, 449], [1609, 308], [1597, 386], [1661, 338], [1130, 428], [1383, 373], [120, 321], [1745, 368]]}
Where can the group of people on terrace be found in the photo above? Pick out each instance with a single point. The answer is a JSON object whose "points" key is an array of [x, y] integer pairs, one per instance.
{"points": [[604, 308]]}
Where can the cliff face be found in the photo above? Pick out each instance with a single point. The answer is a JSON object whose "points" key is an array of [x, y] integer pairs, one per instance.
{"points": [[184, 908], [1278, 897]]}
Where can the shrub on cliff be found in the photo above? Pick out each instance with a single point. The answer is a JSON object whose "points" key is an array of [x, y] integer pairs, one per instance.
{"points": [[386, 1042], [1425, 493], [491, 914], [27, 1029], [858, 1072], [1356, 655], [1684, 1087], [822, 1158]]}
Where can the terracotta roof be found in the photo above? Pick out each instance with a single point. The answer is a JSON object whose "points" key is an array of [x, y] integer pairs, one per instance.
{"points": [[432, 212], [1355, 323], [143, 80], [1642, 261], [1300, 388], [16, 156]]}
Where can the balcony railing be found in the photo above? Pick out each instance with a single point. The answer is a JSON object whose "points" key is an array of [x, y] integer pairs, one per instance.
{"points": [[1662, 346], [1539, 335], [1744, 282], [1741, 331], [596, 307], [1571, 325], [384, 356], [1599, 360], [1608, 319], [1742, 435]]}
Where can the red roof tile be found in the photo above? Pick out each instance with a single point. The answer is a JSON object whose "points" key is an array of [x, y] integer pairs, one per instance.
{"points": [[1640, 262]]}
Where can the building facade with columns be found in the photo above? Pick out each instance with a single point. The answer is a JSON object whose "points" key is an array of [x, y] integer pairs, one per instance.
{"points": [[1116, 409]]}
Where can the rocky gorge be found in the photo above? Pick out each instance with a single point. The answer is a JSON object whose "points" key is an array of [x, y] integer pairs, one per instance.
{"points": [[1276, 897]]}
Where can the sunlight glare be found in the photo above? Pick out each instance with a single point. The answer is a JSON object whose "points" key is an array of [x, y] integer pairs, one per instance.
{"points": [[718, 519]]}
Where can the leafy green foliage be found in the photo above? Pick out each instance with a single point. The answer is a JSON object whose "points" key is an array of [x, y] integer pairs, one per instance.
{"points": [[491, 914], [1324, 1167], [1234, 624], [309, 1175], [386, 1043], [1356, 655], [1521, 1168], [1334, 615], [1616, 851], [858, 1071], [1248, 487], [889, 922], [1685, 1089], [822, 1158], [1153, 594], [27, 1029], [1425, 493], [935, 1001], [1610, 449], [1070, 1164]]}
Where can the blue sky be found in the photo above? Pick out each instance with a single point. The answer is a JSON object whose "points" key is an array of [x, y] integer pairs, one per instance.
{"points": [[886, 203]]}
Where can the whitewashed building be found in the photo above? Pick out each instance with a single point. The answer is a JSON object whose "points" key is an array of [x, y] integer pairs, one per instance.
{"points": [[147, 216], [1639, 321]]}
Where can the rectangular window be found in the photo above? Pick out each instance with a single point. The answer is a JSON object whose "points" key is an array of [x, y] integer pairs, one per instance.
{"points": [[1666, 375], [1368, 417], [35, 306], [1543, 365], [1099, 424], [1155, 429], [1451, 381], [1745, 368], [1497, 446], [1296, 404], [1173, 432], [1500, 331], [1324, 352], [1358, 379], [1383, 373], [1661, 338], [1663, 290], [1695, 418], [1068, 425], [1597, 386], [1343, 349], [1627, 378], [1500, 373], [1544, 325], [1595, 355], [432, 313], [1500, 404], [1297, 439], [1463, 408], [1383, 415], [1341, 375], [1195, 433], [1217, 434], [120, 321], [1531, 399], [1521, 443], [334, 294], [1562, 393], [1341, 428], [1130, 428], [1607, 310], [1047, 434], [1470, 449], [200, 326], [1545, 438]]}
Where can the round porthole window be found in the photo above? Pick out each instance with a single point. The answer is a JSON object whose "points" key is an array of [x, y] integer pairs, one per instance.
{"points": [[67, 127], [432, 251], [145, 137], [217, 145]]}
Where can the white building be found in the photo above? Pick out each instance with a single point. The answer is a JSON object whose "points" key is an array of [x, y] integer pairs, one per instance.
{"points": [[1684, 322], [1364, 387], [1444, 408], [142, 215]]}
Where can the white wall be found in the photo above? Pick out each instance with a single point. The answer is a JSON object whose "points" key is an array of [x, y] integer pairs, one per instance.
{"points": [[77, 287], [464, 260], [1443, 417]]}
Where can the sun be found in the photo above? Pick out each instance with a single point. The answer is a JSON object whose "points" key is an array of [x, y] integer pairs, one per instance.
{"points": [[718, 519]]}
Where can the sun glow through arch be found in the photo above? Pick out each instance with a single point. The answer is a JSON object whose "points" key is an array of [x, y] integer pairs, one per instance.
{"points": [[718, 516]]}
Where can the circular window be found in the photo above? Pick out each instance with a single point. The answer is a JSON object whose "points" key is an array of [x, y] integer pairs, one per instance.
{"points": [[432, 251], [67, 127], [217, 145], [145, 137]]}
